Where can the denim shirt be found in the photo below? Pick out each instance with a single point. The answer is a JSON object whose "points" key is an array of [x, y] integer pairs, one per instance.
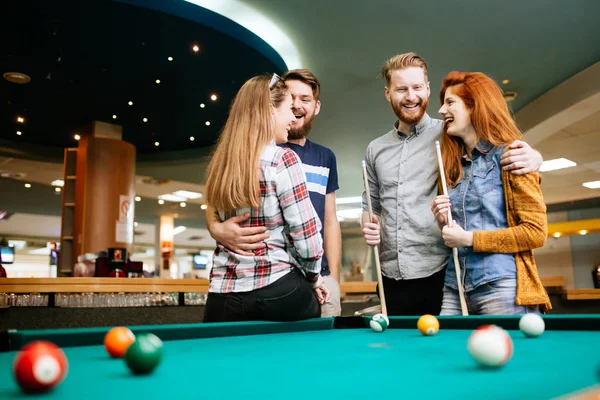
{"points": [[478, 205]]}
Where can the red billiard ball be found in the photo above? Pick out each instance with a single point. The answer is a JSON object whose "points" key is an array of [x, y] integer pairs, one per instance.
{"points": [[118, 340], [40, 366]]}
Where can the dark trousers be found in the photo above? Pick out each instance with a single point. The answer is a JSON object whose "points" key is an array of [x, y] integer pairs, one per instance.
{"points": [[290, 298], [414, 296]]}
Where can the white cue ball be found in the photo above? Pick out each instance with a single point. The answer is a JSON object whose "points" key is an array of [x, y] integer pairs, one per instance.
{"points": [[532, 325], [490, 346]]}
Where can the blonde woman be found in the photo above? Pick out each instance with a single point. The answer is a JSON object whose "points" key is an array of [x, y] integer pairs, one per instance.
{"points": [[250, 175]]}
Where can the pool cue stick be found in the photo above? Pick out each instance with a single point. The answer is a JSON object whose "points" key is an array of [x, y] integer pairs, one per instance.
{"points": [[376, 247], [461, 293]]}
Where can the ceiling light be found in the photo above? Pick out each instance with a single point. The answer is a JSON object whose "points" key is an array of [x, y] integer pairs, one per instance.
{"points": [[506, 81], [178, 230], [57, 189], [28, 185], [130, 103], [58, 182], [16, 77], [592, 185], [172, 197], [182, 204], [203, 207], [157, 144], [213, 97], [348, 200], [170, 58], [207, 123], [583, 232], [557, 235], [352, 213], [557, 163], [202, 105], [145, 119], [157, 81], [20, 120], [19, 133], [509, 96], [161, 202], [196, 48], [187, 194], [138, 198], [76, 137], [114, 117]]}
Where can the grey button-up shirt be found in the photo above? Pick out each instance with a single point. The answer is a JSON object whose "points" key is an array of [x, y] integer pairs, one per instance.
{"points": [[403, 172]]}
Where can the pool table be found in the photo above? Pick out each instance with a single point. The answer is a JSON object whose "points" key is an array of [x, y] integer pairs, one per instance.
{"points": [[325, 359]]}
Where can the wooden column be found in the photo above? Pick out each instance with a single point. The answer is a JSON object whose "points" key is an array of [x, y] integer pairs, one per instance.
{"points": [[104, 190]]}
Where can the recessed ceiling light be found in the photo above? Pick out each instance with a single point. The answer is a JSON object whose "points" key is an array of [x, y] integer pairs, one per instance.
{"points": [[213, 97], [161, 202], [179, 230], [557, 163], [592, 185], [182, 204], [207, 123], [188, 194], [156, 144], [58, 182], [76, 137], [556, 234], [203, 207], [57, 189], [28, 185], [583, 232], [145, 119], [19, 133], [16, 77], [130, 103], [138, 198], [172, 197], [192, 139], [114, 117], [20, 119], [157, 81], [202, 105], [195, 48], [170, 58], [505, 81]]}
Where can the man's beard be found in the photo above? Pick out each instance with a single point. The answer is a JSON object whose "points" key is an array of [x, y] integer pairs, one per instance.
{"points": [[410, 118], [302, 131]]}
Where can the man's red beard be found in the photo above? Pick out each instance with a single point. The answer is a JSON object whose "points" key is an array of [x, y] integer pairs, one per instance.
{"points": [[410, 118], [302, 131]]}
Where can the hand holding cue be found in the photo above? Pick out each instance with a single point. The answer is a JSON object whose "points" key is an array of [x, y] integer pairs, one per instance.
{"points": [[461, 293], [376, 251]]}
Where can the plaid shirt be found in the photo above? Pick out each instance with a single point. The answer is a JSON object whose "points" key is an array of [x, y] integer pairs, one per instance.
{"points": [[288, 214]]}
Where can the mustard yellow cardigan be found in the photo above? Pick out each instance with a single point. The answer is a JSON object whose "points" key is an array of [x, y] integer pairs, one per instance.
{"points": [[528, 229]]}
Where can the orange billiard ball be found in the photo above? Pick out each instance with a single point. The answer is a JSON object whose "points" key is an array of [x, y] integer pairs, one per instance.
{"points": [[428, 325], [118, 340]]}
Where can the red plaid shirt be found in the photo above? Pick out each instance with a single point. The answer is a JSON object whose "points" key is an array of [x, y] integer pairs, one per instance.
{"points": [[288, 214]]}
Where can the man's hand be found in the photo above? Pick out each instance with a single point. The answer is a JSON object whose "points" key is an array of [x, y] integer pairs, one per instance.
{"points": [[230, 234], [440, 207], [521, 159], [371, 231]]}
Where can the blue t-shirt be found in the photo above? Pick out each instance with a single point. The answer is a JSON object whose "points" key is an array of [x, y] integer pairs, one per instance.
{"points": [[320, 166]]}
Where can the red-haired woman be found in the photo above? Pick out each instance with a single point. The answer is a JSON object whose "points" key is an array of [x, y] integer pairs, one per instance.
{"points": [[499, 217]]}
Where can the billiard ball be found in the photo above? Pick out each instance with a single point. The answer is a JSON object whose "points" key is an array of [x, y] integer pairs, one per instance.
{"points": [[379, 322], [118, 340], [144, 355], [490, 346], [40, 366], [428, 325], [532, 325]]}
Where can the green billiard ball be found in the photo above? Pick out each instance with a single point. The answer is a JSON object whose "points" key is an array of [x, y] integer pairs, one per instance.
{"points": [[144, 355]]}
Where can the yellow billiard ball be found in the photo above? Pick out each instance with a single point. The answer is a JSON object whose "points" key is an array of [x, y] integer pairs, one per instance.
{"points": [[428, 325]]}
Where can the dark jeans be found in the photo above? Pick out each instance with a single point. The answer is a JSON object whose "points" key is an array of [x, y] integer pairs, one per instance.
{"points": [[290, 298], [414, 296]]}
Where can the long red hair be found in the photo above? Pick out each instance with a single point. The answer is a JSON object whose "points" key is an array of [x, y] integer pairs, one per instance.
{"points": [[490, 117]]}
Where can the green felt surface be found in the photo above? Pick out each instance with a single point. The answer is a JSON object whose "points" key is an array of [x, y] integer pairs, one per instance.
{"points": [[330, 364]]}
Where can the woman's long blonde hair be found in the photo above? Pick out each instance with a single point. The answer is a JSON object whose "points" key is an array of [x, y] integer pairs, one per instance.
{"points": [[233, 178]]}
